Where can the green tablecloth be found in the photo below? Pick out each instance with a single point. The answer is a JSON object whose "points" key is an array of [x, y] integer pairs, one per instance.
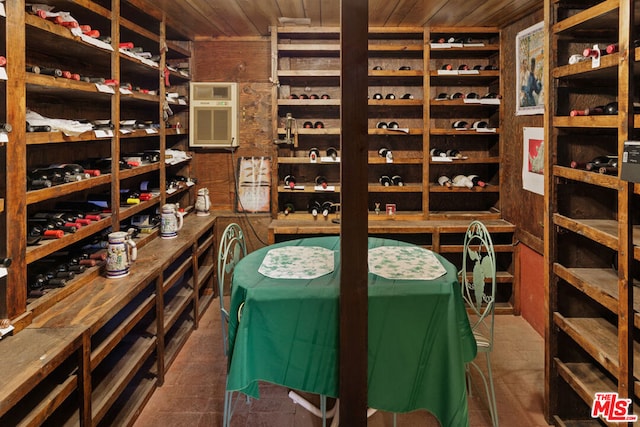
{"points": [[419, 335]]}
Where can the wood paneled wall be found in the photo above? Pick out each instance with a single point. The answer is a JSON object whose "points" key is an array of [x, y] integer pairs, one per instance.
{"points": [[247, 62], [523, 208]]}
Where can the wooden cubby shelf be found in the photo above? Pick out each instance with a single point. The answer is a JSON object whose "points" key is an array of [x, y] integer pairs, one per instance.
{"points": [[401, 63], [92, 350], [591, 226]]}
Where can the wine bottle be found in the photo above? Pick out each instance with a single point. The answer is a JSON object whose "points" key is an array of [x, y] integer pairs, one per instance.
{"points": [[600, 161], [475, 180], [593, 53], [290, 181], [612, 48], [51, 223], [587, 111], [611, 108], [33, 69], [333, 153], [40, 128], [307, 125], [382, 125], [577, 165], [609, 169], [463, 67], [318, 125], [453, 153], [55, 72], [60, 219], [36, 282], [37, 183], [390, 96], [55, 176], [436, 152], [447, 67], [445, 181], [327, 208], [43, 230], [461, 181], [314, 208], [460, 124], [397, 180], [385, 181], [76, 171], [3, 60], [314, 153], [321, 181], [576, 58], [386, 153], [480, 124], [289, 208]]}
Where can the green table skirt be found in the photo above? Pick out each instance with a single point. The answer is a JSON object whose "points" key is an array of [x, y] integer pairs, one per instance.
{"points": [[419, 336]]}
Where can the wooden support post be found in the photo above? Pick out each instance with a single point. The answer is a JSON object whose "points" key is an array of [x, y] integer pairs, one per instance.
{"points": [[354, 200]]}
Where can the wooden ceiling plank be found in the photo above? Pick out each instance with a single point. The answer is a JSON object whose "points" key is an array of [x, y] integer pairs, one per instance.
{"points": [[330, 13], [401, 12], [252, 18], [380, 11], [261, 13]]}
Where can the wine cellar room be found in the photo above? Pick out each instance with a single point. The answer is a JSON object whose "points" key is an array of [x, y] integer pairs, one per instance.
{"points": [[145, 128]]}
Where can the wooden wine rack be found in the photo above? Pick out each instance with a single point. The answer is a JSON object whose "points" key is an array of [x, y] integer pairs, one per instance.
{"points": [[591, 260]]}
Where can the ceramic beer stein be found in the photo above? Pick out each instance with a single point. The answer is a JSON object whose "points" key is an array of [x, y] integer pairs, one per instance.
{"points": [[203, 203], [121, 252], [170, 221]]}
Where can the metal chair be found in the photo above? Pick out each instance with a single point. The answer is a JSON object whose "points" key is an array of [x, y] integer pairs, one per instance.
{"points": [[478, 279], [231, 250]]}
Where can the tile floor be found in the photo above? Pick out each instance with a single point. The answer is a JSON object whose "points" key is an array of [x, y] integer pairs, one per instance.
{"points": [[193, 392]]}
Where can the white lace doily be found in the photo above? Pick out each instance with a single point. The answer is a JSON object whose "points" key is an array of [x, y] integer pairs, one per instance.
{"points": [[297, 262], [405, 263]]}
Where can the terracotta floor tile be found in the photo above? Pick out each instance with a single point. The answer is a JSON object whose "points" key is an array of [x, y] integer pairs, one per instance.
{"points": [[193, 392]]}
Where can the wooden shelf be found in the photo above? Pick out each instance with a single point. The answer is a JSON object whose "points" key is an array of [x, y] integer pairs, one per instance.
{"points": [[114, 378], [47, 247]]}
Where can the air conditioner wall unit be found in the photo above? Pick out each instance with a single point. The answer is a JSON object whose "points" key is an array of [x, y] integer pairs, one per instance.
{"points": [[213, 115]]}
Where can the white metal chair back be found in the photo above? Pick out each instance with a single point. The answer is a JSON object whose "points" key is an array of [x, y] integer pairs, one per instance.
{"points": [[231, 250], [478, 279]]}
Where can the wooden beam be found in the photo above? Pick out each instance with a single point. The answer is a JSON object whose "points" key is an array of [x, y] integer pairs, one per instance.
{"points": [[16, 164], [353, 199]]}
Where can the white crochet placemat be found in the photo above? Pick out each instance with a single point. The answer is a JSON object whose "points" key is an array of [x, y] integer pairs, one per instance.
{"points": [[405, 263], [297, 262]]}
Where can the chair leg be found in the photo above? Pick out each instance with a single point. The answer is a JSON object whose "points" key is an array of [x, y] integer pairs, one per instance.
{"points": [[323, 409], [228, 397], [493, 407], [488, 388]]}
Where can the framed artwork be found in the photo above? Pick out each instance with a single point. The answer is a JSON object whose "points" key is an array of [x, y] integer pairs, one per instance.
{"points": [[533, 160], [529, 70], [254, 184]]}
